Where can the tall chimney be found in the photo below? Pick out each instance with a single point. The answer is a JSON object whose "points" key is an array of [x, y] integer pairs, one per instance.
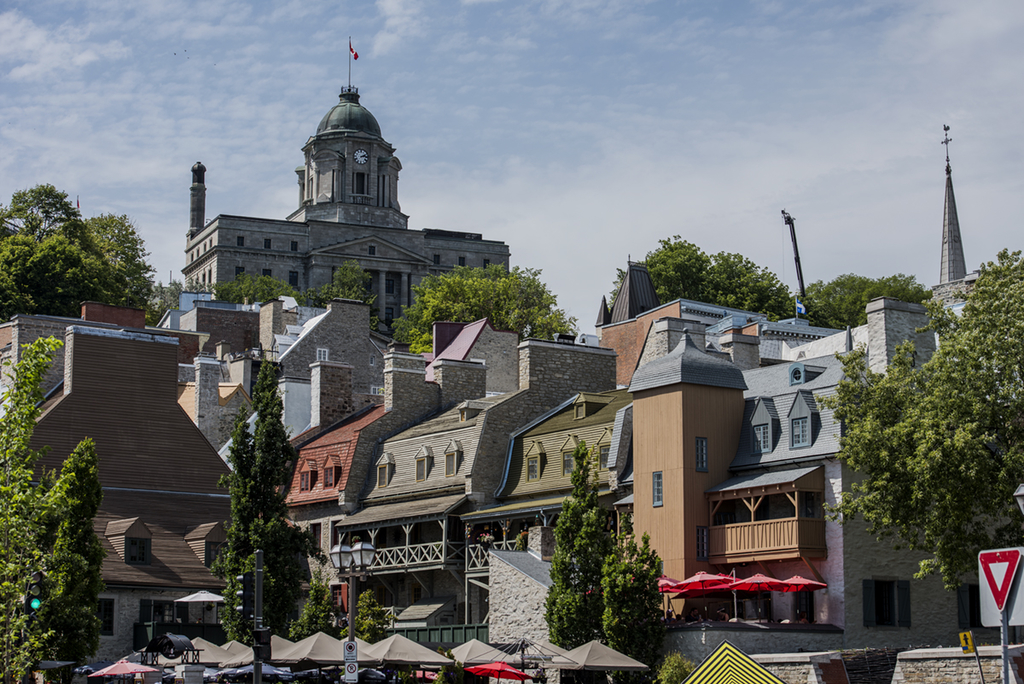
{"points": [[405, 385], [330, 392], [197, 208]]}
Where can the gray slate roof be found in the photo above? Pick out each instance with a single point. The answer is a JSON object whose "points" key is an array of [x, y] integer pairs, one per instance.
{"points": [[424, 609], [528, 564], [762, 479], [773, 382], [687, 363]]}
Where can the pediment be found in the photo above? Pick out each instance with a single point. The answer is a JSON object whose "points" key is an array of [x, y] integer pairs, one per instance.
{"points": [[536, 448], [358, 249], [570, 444]]}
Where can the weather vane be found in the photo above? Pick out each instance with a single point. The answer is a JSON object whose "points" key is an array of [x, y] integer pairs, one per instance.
{"points": [[945, 141]]}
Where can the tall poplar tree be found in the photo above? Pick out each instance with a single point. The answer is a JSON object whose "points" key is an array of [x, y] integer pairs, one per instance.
{"points": [[575, 601], [260, 470]]}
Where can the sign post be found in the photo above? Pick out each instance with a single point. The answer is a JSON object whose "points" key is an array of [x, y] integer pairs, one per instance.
{"points": [[1001, 603], [351, 661], [967, 644]]}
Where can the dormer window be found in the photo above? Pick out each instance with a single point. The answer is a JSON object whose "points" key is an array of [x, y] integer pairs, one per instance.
{"points": [[332, 476], [762, 439], [801, 432], [764, 422], [797, 374], [534, 461], [452, 454], [568, 462], [581, 411], [137, 551], [801, 420], [385, 469], [424, 461]]}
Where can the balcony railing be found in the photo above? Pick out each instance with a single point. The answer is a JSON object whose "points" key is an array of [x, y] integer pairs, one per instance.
{"points": [[789, 538], [418, 555], [476, 556]]}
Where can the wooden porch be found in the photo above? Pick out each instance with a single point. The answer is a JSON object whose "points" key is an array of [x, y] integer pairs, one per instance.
{"points": [[748, 542]]}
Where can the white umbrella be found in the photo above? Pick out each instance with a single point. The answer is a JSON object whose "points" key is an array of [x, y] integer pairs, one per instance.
{"points": [[200, 597]]}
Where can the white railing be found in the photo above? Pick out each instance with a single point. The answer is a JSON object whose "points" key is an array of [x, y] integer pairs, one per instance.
{"points": [[476, 555], [433, 553]]}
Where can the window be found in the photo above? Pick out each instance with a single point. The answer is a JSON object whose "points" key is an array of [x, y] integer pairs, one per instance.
{"points": [[762, 439], [239, 270], [451, 463], [293, 278], [136, 551], [389, 314], [487, 262], [437, 259], [266, 243], [382, 476], [267, 272], [371, 250], [304, 481], [462, 261], [213, 550], [338, 592], [702, 543], [421, 469], [416, 593], [801, 434], [581, 411], [373, 360], [532, 468], [359, 183], [240, 241], [603, 458], [702, 454], [105, 611], [968, 604], [295, 245], [316, 531], [322, 354], [567, 463], [329, 476], [886, 602], [389, 286], [656, 491]]}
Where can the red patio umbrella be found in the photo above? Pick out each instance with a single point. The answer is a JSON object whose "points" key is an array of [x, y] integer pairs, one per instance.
{"points": [[499, 670], [703, 582], [757, 583], [123, 667], [667, 585], [798, 583]]}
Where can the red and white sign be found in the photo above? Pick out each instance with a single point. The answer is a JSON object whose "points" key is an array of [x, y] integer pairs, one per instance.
{"points": [[999, 568]]}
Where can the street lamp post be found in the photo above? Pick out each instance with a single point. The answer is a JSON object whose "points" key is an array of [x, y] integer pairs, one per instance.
{"points": [[352, 563]]}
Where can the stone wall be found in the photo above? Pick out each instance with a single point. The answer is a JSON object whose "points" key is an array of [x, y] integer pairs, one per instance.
{"points": [[517, 605], [697, 642], [28, 329], [405, 382], [498, 349], [552, 372], [240, 329], [330, 392], [126, 614], [890, 323], [460, 380], [665, 335], [953, 666], [805, 668], [541, 541], [271, 322]]}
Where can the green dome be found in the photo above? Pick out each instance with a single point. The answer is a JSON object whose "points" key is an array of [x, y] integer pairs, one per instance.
{"points": [[349, 115]]}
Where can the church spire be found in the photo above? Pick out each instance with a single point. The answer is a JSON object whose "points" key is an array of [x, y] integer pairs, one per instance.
{"points": [[953, 266]]}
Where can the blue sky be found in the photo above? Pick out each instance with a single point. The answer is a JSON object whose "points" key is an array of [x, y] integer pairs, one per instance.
{"points": [[577, 131]]}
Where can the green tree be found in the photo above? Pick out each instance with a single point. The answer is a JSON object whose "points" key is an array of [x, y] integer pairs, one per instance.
{"points": [[52, 277], [513, 300], [632, 603], [372, 621], [843, 300], [349, 281], [260, 470], [674, 669], [161, 299], [129, 278], [21, 507], [318, 613], [681, 270], [940, 445], [74, 560], [575, 602], [245, 289], [40, 212]]}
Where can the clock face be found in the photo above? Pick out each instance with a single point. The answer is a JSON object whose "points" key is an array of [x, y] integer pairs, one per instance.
{"points": [[360, 156]]}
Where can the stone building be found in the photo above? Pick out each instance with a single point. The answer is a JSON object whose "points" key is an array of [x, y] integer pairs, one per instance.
{"points": [[478, 340], [348, 209]]}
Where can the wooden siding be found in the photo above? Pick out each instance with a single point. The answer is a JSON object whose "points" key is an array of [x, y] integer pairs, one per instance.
{"points": [[666, 423], [786, 539]]}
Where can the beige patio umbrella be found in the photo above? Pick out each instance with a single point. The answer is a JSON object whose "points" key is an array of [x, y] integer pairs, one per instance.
{"points": [[476, 652], [277, 645], [398, 650], [210, 654], [594, 655], [319, 650]]}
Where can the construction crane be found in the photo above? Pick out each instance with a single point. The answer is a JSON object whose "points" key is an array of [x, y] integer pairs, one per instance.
{"points": [[796, 251]]}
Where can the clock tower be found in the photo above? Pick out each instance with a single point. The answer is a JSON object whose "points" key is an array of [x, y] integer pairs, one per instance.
{"points": [[350, 173]]}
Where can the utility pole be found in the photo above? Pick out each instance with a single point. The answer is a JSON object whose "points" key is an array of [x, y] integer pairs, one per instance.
{"points": [[257, 660]]}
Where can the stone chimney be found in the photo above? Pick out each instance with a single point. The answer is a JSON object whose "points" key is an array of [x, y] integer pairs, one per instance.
{"points": [[330, 392], [207, 399], [554, 372], [223, 350], [271, 323], [745, 350], [541, 542], [665, 334], [405, 385], [197, 204], [460, 380], [891, 322]]}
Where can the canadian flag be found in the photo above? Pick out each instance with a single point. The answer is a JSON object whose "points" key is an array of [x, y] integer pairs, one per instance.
{"points": [[355, 55]]}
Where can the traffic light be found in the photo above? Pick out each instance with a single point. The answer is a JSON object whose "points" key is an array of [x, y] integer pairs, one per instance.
{"points": [[261, 646], [34, 594], [246, 596]]}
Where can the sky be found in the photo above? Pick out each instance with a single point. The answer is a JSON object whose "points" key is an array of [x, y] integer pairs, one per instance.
{"points": [[579, 132]]}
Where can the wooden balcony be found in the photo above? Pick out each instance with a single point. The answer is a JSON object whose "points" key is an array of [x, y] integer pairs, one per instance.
{"points": [[785, 539], [422, 556], [477, 562]]}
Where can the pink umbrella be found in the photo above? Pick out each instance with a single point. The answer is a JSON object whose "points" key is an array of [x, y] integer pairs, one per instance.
{"points": [[123, 667], [667, 585], [798, 583]]}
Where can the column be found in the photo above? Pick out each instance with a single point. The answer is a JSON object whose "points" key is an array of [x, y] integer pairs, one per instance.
{"points": [[381, 291], [404, 296]]}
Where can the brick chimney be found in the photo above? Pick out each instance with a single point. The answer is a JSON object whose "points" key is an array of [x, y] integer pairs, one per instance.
{"points": [[405, 385], [330, 392], [118, 315], [460, 380]]}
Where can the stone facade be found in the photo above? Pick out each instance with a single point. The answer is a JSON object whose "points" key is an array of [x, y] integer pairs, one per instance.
{"points": [[953, 666], [238, 328], [698, 641], [460, 380], [497, 349], [892, 322], [516, 605], [127, 602], [805, 668], [330, 392], [554, 372]]}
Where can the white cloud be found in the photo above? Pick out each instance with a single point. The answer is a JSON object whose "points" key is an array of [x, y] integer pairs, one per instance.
{"points": [[36, 52], [403, 19]]}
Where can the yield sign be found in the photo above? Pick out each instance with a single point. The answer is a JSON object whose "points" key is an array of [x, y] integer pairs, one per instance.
{"points": [[999, 569]]}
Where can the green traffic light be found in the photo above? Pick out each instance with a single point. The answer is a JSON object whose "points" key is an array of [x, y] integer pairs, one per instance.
{"points": [[35, 603]]}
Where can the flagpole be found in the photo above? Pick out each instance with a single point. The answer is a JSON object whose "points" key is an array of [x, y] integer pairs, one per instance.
{"points": [[350, 61]]}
